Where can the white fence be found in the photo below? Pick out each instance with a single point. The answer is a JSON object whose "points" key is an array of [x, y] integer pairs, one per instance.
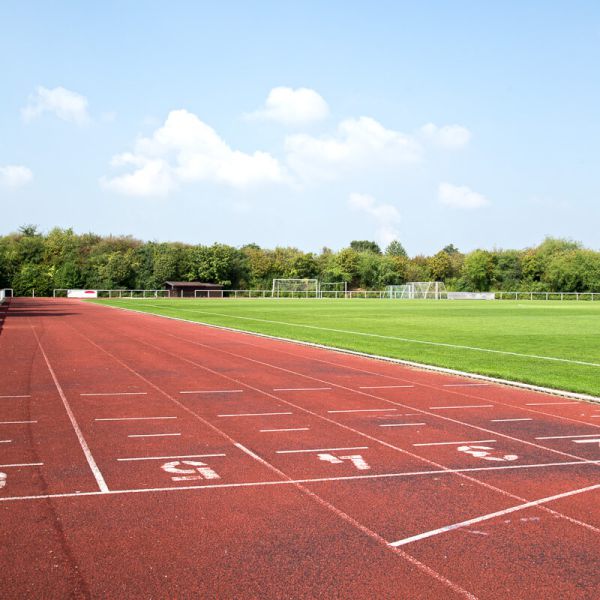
{"points": [[5, 293], [566, 296], [64, 292]]}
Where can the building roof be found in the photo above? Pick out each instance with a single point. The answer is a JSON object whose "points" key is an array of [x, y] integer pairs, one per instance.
{"points": [[190, 284]]}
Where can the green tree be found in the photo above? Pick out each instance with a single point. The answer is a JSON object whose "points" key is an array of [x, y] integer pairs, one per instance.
{"points": [[365, 246], [395, 248]]}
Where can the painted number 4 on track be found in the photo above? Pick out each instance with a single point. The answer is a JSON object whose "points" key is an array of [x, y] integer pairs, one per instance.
{"points": [[2, 480], [356, 459], [189, 470], [485, 453]]}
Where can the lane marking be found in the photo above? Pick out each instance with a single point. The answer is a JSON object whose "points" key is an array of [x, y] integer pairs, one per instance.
{"points": [[509, 420], [308, 389], [549, 403], [116, 394], [211, 392], [465, 384], [383, 387], [355, 410], [499, 513], [86, 449], [22, 465], [295, 429], [401, 424], [292, 481], [256, 414], [23, 396], [566, 437], [168, 457], [145, 435], [455, 443], [15, 422], [468, 406], [134, 418], [592, 441], [5, 441], [320, 450]]}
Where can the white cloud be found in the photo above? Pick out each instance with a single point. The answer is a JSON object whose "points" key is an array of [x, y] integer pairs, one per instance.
{"points": [[460, 196], [185, 149], [65, 104], [15, 176], [386, 216], [448, 136], [359, 143], [292, 106]]}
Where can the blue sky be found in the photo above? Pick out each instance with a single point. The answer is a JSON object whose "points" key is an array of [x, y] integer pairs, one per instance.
{"points": [[306, 124]]}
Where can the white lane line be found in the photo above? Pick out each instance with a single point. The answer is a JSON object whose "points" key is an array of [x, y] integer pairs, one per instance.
{"points": [[288, 481], [145, 435], [493, 515], [595, 416], [134, 418], [467, 406], [383, 387], [116, 394], [455, 443], [15, 422], [168, 457], [294, 429], [21, 465], [401, 424], [592, 441], [5, 441], [509, 420], [354, 410], [307, 389], [566, 437], [24, 396], [256, 414], [319, 450], [211, 392], [86, 449], [465, 384], [549, 403]]}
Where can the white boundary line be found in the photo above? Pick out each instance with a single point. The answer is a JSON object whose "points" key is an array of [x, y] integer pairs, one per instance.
{"points": [[15, 422], [499, 513], [25, 396], [455, 443], [212, 392], [461, 406], [21, 465], [168, 457], [400, 361], [312, 389], [510, 420], [274, 430], [145, 435], [319, 450], [361, 410], [401, 424], [256, 414], [117, 394], [135, 418]]}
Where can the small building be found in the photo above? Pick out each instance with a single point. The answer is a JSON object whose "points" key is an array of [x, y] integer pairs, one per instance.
{"points": [[193, 289]]}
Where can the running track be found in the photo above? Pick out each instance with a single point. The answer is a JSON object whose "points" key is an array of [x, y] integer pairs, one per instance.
{"points": [[146, 457]]}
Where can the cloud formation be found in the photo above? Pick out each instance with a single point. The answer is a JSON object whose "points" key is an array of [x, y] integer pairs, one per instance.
{"points": [[452, 137], [386, 216], [292, 106], [65, 104], [358, 143], [460, 196], [185, 149], [15, 176]]}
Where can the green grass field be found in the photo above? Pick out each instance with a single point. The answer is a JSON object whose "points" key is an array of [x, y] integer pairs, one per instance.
{"points": [[553, 344]]}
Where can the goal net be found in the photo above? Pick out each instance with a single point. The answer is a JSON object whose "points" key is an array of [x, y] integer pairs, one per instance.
{"points": [[418, 290], [295, 288], [333, 289]]}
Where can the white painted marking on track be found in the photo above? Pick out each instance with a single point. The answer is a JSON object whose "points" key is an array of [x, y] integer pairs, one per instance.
{"points": [[168, 457], [134, 418], [484, 452], [509, 420], [467, 406], [198, 470], [294, 429], [5, 441], [493, 515], [15, 422], [307, 389], [116, 394], [355, 410], [456, 443], [383, 387], [566, 437], [549, 403], [22, 396], [211, 392], [3, 478], [356, 459], [22, 465], [401, 424], [320, 450], [256, 414], [465, 384], [592, 441], [145, 435]]}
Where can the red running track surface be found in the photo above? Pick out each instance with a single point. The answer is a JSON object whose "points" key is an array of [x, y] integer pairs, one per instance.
{"points": [[146, 457]]}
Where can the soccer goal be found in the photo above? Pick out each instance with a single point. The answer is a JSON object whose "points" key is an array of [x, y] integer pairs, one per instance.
{"points": [[333, 289], [418, 290], [295, 288]]}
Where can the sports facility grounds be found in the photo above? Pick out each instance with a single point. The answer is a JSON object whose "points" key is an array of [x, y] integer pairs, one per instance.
{"points": [[147, 457]]}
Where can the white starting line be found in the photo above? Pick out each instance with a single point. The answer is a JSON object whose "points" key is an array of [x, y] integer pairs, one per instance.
{"points": [[549, 403], [15, 422], [21, 465], [116, 394], [509, 420], [456, 443], [383, 387], [401, 424], [5, 441], [256, 414], [168, 457], [145, 435], [355, 410], [592, 441], [463, 406], [134, 418], [566, 437], [211, 392], [308, 389], [22, 396], [294, 429], [319, 450], [465, 384]]}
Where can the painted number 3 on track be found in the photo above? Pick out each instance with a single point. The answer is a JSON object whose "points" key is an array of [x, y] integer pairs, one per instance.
{"points": [[485, 453]]}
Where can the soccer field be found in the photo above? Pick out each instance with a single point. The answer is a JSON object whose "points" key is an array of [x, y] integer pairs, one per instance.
{"points": [[552, 344]]}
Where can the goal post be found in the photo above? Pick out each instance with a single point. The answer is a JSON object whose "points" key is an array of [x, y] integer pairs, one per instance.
{"points": [[418, 290], [295, 288], [333, 289]]}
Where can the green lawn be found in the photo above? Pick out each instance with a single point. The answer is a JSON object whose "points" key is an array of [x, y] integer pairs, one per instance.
{"points": [[526, 337]]}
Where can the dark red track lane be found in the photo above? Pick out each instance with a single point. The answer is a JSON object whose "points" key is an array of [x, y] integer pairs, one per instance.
{"points": [[312, 463]]}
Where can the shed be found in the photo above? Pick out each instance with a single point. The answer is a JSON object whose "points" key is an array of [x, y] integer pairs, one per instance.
{"points": [[191, 289]]}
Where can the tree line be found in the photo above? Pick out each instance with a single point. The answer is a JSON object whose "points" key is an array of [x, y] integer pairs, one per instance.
{"points": [[33, 260]]}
